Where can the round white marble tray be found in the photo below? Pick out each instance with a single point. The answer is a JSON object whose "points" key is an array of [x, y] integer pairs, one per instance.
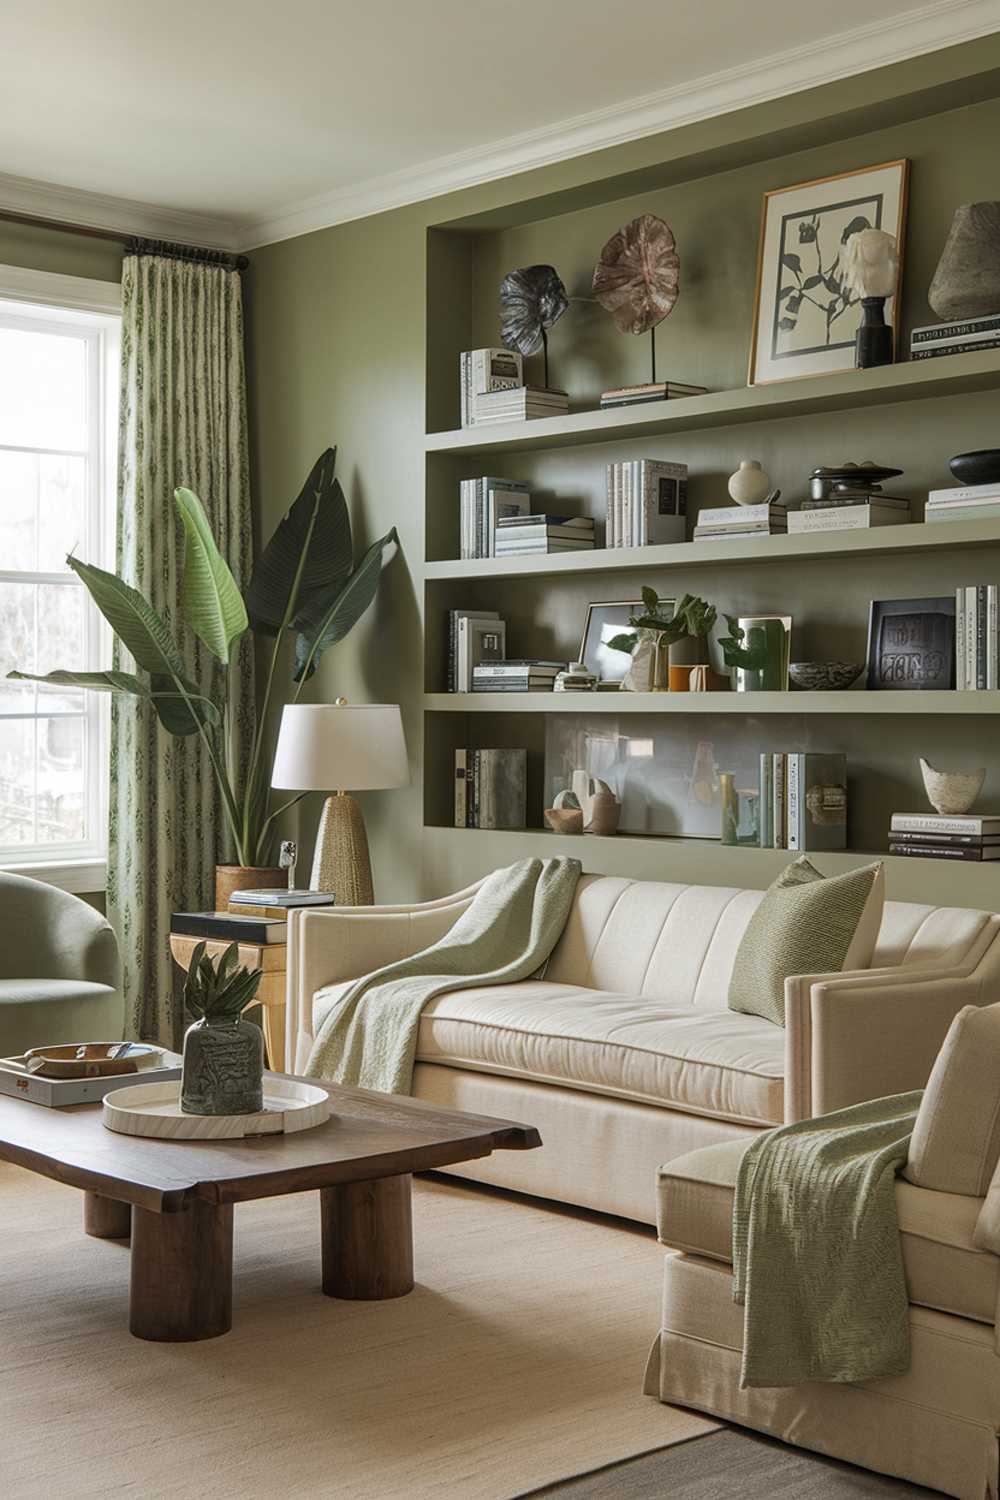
{"points": [[154, 1109]]}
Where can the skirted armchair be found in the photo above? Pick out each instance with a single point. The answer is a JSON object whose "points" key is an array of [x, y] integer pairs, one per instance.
{"points": [[60, 975]]}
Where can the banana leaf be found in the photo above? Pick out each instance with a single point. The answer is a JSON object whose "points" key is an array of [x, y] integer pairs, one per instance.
{"points": [[213, 604], [317, 525], [132, 618], [343, 612], [169, 705]]}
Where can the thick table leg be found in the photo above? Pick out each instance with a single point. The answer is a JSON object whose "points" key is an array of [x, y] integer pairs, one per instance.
{"points": [[367, 1239], [106, 1218], [182, 1273]]}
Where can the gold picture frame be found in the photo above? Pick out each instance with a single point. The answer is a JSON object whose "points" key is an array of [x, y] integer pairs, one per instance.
{"points": [[789, 321]]}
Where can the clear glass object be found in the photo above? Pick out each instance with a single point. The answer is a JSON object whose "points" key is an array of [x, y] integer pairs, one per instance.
{"points": [[740, 813]]}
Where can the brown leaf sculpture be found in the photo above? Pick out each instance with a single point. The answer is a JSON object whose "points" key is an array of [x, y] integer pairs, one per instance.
{"points": [[636, 277]]}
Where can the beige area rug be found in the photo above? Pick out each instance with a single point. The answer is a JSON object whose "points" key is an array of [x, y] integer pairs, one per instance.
{"points": [[516, 1361]]}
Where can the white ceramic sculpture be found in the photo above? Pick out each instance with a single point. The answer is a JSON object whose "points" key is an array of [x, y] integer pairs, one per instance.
{"points": [[952, 792], [870, 263], [750, 485], [601, 808]]}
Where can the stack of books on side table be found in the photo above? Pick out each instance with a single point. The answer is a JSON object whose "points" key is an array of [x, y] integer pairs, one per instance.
{"points": [[849, 515], [803, 800], [483, 371], [971, 502], [529, 676], [940, 836], [647, 503], [936, 339], [766, 519], [977, 648], [523, 404], [639, 395], [229, 927], [490, 788], [275, 903], [522, 536], [482, 503]]}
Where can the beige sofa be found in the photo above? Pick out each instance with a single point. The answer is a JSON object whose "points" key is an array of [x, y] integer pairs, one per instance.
{"points": [[936, 1425], [625, 1055]]}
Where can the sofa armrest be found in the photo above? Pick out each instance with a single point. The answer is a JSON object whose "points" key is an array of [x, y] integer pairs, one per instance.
{"points": [[328, 946], [864, 1035]]}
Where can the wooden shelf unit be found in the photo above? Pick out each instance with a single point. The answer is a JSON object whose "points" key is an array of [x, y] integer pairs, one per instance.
{"points": [[852, 702]]}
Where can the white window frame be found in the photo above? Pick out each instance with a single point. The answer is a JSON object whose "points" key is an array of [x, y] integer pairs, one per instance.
{"points": [[94, 308]]}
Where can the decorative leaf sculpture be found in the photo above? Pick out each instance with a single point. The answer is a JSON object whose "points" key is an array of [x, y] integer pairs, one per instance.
{"points": [[531, 300], [636, 278]]}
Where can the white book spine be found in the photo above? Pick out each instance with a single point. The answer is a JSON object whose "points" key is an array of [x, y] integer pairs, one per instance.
{"points": [[971, 635], [967, 495], [846, 518], [960, 682], [794, 771], [738, 515], [778, 805], [929, 823], [766, 789], [992, 676]]}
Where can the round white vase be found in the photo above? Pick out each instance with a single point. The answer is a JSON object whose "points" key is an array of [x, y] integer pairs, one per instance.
{"points": [[952, 793], [750, 485]]}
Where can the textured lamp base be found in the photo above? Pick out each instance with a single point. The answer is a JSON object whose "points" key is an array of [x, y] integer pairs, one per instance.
{"points": [[341, 863]]}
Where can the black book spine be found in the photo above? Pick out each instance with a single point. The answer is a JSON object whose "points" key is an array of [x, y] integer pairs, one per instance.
{"points": [[936, 851], [215, 926], [972, 840]]}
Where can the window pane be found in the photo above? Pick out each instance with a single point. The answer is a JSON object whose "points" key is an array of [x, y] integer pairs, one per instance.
{"points": [[61, 524], [41, 629], [43, 389], [61, 804], [17, 510], [17, 645], [17, 781]]}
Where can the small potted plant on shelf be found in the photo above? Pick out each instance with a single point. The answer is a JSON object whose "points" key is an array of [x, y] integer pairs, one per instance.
{"points": [[223, 1067], [691, 651], [661, 626]]}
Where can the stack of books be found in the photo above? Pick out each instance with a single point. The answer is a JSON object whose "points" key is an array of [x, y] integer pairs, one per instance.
{"points": [[803, 800], [647, 503], [490, 788], [976, 643], [522, 404], [482, 503], [849, 515], [939, 836], [523, 535], [638, 395], [474, 636], [229, 927], [483, 371], [971, 502], [768, 518], [276, 902], [529, 675], [963, 337]]}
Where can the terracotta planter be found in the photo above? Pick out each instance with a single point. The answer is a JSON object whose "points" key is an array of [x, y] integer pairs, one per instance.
{"points": [[229, 878]]}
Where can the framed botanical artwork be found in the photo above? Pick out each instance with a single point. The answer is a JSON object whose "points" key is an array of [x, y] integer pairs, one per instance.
{"points": [[911, 644], [805, 318], [604, 621]]}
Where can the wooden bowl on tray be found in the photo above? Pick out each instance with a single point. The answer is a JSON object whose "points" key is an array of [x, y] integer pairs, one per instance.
{"points": [[91, 1059]]}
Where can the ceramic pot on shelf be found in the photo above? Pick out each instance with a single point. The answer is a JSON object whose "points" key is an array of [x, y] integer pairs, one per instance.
{"points": [[230, 878]]}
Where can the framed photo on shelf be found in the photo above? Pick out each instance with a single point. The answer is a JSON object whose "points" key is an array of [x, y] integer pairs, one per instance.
{"points": [[604, 621], [805, 319], [911, 644]]}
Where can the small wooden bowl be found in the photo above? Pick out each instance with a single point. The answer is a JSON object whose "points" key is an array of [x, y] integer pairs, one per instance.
{"points": [[65, 1062]]}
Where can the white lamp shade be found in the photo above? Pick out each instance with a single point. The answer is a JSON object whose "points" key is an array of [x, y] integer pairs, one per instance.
{"points": [[347, 747]]}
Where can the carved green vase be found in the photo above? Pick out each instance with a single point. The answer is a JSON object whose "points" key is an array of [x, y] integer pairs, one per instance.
{"points": [[223, 1068]]}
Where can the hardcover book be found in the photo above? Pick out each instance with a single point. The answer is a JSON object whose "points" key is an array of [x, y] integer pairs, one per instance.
{"points": [[817, 800]]}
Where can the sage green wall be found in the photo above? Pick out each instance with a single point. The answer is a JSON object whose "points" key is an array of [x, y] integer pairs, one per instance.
{"points": [[338, 347]]}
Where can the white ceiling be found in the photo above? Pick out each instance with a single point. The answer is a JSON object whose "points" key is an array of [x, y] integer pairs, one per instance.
{"points": [[255, 119]]}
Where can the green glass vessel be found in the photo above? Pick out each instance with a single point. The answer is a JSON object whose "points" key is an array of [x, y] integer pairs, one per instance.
{"points": [[223, 1068]]}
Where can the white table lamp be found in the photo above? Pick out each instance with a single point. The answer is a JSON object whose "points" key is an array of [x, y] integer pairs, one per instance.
{"points": [[341, 747]]}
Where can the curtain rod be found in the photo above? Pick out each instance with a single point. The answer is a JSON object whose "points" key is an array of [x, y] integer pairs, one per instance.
{"points": [[131, 244]]}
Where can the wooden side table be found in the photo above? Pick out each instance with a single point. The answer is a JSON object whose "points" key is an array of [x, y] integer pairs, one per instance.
{"points": [[271, 957]]}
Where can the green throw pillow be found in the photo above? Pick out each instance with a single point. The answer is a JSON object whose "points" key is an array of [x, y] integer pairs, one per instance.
{"points": [[805, 924]]}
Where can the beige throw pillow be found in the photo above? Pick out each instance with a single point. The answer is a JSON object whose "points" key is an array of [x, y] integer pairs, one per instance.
{"points": [[805, 924], [956, 1140]]}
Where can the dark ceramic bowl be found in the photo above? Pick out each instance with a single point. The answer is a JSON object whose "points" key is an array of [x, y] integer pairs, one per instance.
{"points": [[982, 467]]}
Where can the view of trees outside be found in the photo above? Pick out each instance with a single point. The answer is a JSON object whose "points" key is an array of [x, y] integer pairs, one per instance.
{"points": [[44, 732]]}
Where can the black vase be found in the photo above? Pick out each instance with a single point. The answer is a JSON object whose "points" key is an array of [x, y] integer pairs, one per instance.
{"points": [[873, 343]]}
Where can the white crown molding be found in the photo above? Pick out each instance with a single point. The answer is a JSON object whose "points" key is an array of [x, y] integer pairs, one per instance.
{"points": [[51, 289], [876, 44], [43, 200]]}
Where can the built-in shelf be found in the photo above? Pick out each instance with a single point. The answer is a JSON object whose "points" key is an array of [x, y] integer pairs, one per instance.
{"points": [[952, 375], [942, 536], [748, 704], [706, 861]]}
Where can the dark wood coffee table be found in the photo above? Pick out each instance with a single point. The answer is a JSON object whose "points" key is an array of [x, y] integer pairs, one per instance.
{"points": [[175, 1198]]}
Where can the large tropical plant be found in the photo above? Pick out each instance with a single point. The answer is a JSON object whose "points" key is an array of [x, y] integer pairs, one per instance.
{"points": [[305, 582]]}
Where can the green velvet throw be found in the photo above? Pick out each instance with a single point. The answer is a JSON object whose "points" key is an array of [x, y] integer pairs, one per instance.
{"points": [[817, 1261], [368, 1035]]}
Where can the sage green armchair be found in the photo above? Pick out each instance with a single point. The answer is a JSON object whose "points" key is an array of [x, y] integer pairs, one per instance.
{"points": [[60, 975]]}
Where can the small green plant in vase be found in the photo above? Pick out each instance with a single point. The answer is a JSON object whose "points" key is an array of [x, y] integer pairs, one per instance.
{"points": [[223, 1053], [662, 627]]}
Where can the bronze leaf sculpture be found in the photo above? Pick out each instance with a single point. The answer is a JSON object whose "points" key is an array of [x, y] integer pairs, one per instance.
{"points": [[636, 277], [531, 300]]}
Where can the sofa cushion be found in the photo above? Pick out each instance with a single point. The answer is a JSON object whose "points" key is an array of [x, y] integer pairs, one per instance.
{"points": [[956, 1139], [713, 1063], [944, 1270], [806, 924]]}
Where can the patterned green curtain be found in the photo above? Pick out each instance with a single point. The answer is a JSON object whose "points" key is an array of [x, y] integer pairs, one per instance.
{"points": [[183, 422]]}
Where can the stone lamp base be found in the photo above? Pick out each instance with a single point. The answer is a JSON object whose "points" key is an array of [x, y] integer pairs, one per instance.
{"points": [[341, 863]]}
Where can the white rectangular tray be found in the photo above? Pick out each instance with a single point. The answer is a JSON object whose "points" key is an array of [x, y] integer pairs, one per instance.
{"points": [[55, 1093]]}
